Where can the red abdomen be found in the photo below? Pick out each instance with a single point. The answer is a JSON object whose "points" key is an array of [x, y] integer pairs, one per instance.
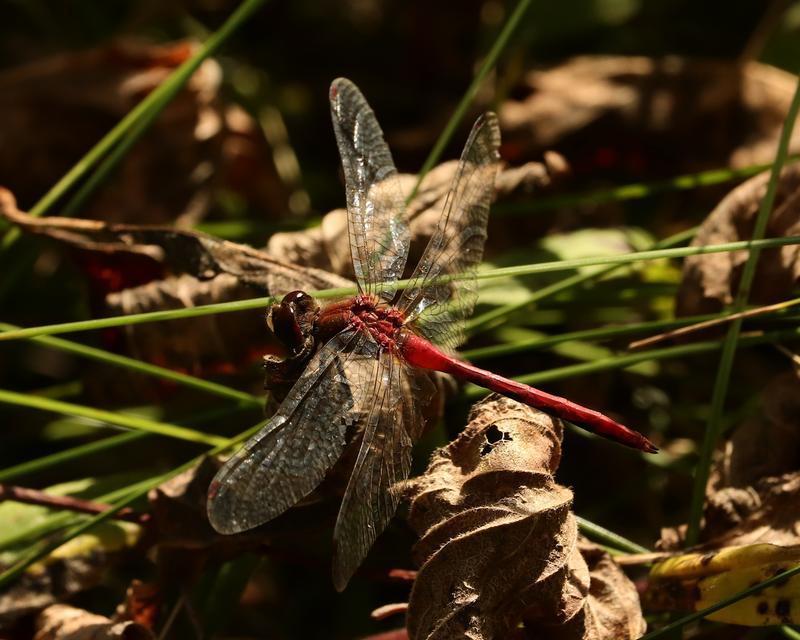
{"points": [[421, 353]]}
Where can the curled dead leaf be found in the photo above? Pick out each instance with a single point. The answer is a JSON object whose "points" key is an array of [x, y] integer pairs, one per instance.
{"points": [[710, 281], [498, 542], [608, 609], [62, 622]]}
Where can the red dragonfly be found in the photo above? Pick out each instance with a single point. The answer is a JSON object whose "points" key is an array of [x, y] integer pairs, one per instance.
{"points": [[365, 383]]}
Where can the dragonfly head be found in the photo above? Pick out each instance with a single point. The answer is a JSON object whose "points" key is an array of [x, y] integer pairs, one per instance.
{"points": [[292, 319]]}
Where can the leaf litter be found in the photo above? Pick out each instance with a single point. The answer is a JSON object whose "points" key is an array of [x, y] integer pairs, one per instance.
{"points": [[499, 546]]}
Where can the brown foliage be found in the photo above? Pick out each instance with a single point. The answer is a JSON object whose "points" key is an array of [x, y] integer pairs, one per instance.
{"points": [[62, 622], [711, 281], [610, 103], [55, 109], [499, 543], [754, 486]]}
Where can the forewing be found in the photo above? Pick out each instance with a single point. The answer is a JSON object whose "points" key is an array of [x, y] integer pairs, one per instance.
{"points": [[440, 309], [289, 457], [384, 459], [377, 226]]}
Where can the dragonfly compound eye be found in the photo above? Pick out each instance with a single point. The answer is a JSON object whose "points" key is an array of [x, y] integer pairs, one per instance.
{"points": [[284, 325], [295, 297], [293, 319]]}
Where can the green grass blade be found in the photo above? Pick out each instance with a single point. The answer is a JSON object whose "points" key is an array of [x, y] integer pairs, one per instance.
{"points": [[145, 368], [154, 101], [496, 316], [255, 303], [23, 535], [39, 464], [488, 64], [608, 537], [109, 417], [106, 444], [473, 392], [714, 426], [779, 578], [604, 333], [601, 333], [137, 491], [114, 157], [633, 191], [139, 318], [60, 390]]}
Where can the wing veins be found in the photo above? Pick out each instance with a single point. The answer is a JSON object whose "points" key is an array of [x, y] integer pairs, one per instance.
{"points": [[234, 506]]}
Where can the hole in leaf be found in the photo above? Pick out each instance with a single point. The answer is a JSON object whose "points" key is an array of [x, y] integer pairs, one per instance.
{"points": [[494, 436]]}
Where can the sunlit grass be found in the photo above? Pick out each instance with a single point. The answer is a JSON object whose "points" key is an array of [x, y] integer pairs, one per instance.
{"points": [[714, 426], [103, 158]]}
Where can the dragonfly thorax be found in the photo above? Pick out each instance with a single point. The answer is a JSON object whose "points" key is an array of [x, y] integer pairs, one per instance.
{"points": [[381, 321]]}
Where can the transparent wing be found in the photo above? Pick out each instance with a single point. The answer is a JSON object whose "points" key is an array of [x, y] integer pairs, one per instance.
{"points": [[289, 457], [378, 229], [440, 309], [384, 459]]}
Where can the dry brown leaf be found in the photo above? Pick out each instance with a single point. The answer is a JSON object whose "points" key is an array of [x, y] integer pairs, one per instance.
{"points": [[498, 542], [327, 246], [767, 444], [711, 281], [142, 604], [62, 622], [185, 541], [181, 269], [606, 610], [55, 109], [41, 588], [178, 251], [765, 511], [754, 485], [202, 344], [600, 102]]}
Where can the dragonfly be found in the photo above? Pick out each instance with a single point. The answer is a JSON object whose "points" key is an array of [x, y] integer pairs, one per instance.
{"points": [[367, 384]]}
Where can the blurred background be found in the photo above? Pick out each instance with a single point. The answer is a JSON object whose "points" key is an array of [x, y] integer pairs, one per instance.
{"points": [[624, 91]]}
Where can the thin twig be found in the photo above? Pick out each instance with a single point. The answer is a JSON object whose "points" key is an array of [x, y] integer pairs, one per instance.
{"points": [[635, 559], [789, 354], [396, 634], [173, 615], [647, 342], [67, 503], [389, 610], [402, 575]]}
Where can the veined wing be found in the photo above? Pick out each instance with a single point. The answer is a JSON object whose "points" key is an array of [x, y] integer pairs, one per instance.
{"points": [[289, 457], [377, 226], [395, 421], [440, 309]]}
